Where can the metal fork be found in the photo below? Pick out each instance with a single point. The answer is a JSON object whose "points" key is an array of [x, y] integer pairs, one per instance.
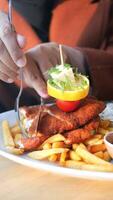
{"points": [[17, 103], [24, 133], [21, 78], [39, 114]]}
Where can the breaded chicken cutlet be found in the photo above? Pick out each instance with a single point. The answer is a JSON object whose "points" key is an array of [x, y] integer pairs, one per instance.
{"points": [[76, 126]]}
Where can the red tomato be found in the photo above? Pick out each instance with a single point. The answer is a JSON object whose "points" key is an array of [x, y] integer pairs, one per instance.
{"points": [[67, 106]]}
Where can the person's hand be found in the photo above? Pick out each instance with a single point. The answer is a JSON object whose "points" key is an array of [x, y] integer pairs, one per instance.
{"points": [[43, 57], [39, 60], [11, 55], [33, 77]]}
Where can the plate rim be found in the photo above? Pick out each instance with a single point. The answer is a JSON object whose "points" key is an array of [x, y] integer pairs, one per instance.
{"points": [[54, 168]]}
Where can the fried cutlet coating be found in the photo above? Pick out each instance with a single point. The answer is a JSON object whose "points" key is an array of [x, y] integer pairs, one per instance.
{"points": [[78, 124], [82, 134], [70, 121]]}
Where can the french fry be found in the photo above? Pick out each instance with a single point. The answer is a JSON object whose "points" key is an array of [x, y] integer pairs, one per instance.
{"points": [[7, 136], [84, 166], [105, 123], [40, 155], [102, 131], [106, 156], [99, 142], [99, 136], [74, 146], [89, 157], [53, 158], [82, 146], [52, 139], [97, 139], [47, 146], [74, 156], [110, 129], [15, 130], [60, 144], [74, 164], [63, 157], [91, 141], [17, 139], [98, 147], [99, 154], [15, 151]]}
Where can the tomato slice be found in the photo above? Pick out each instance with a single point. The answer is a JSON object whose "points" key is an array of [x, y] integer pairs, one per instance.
{"points": [[67, 106]]}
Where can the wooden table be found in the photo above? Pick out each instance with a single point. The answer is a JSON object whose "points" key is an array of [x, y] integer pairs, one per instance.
{"points": [[18, 182]]}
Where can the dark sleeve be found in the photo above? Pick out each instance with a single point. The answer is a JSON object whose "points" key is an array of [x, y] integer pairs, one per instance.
{"points": [[99, 67]]}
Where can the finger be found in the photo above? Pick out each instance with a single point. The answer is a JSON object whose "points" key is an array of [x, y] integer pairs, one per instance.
{"points": [[8, 36], [21, 40], [34, 79], [40, 87], [43, 62], [6, 59], [50, 55], [5, 70], [54, 50], [5, 78]]}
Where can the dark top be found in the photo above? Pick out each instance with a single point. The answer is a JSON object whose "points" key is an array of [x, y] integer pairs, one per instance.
{"points": [[38, 13]]}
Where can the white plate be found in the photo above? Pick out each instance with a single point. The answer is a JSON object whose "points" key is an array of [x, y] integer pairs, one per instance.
{"points": [[24, 160]]}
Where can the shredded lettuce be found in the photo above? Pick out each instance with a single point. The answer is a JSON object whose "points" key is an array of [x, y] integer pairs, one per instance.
{"points": [[66, 78]]}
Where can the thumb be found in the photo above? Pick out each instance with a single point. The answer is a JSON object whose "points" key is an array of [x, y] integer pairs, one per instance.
{"points": [[40, 88], [21, 40]]}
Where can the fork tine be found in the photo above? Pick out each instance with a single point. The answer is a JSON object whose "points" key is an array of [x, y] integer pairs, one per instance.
{"points": [[38, 120], [10, 11], [17, 102], [40, 113]]}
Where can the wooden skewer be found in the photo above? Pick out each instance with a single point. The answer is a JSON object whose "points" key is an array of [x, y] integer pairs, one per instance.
{"points": [[61, 55]]}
